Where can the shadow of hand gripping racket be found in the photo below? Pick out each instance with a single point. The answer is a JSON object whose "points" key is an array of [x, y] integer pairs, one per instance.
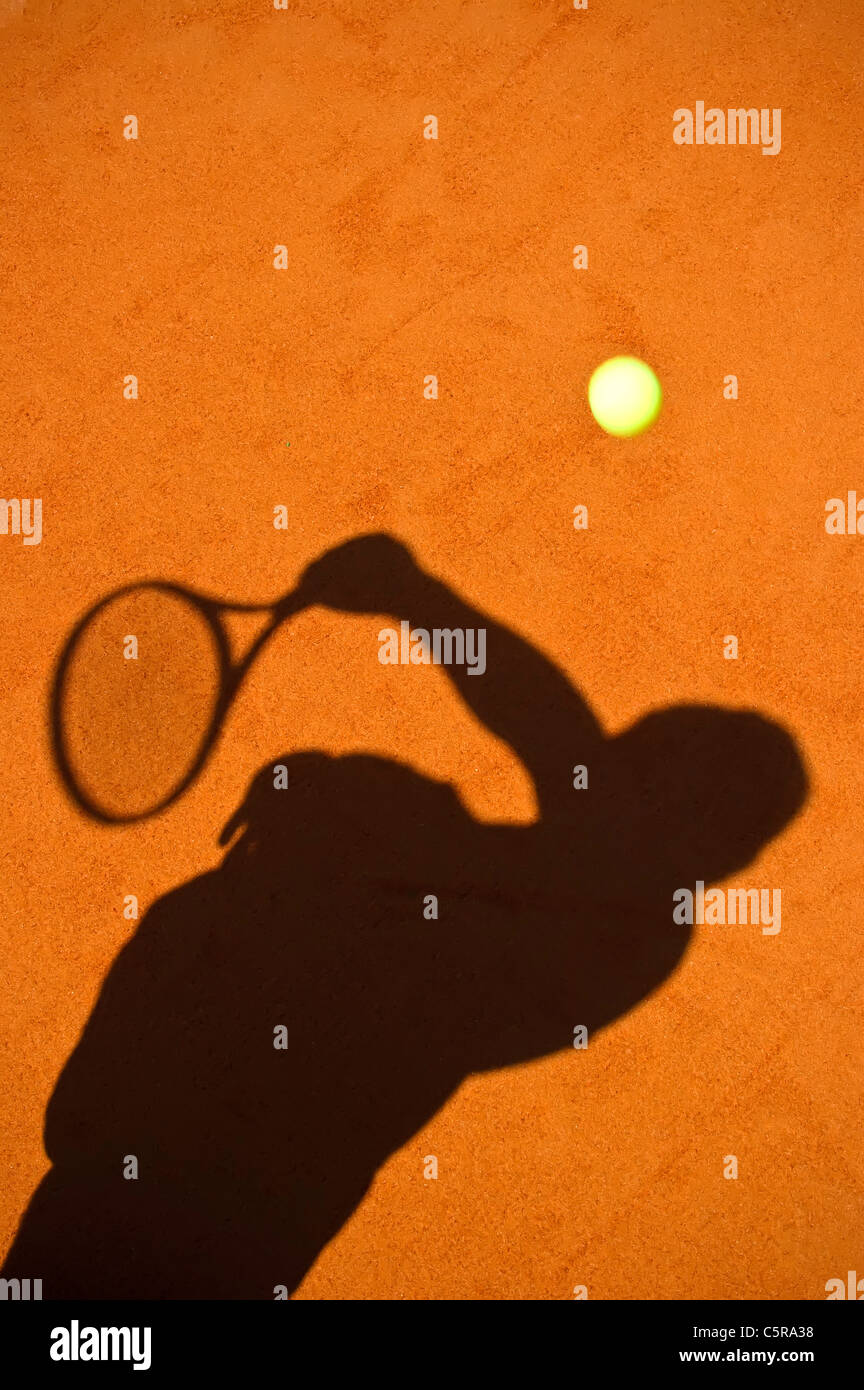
{"points": [[252, 1157]]}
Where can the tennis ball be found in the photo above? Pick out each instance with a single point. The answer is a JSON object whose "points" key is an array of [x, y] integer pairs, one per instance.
{"points": [[624, 396]]}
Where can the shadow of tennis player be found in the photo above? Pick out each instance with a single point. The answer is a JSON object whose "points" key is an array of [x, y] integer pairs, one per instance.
{"points": [[252, 1157]]}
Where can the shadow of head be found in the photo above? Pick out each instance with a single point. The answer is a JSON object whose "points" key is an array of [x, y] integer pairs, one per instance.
{"points": [[705, 789]]}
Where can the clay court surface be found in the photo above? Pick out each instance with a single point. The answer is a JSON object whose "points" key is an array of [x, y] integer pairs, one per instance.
{"points": [[304, 387]]}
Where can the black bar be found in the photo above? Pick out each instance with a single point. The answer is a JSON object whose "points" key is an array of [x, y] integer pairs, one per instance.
{"points": [[304, 1340]]}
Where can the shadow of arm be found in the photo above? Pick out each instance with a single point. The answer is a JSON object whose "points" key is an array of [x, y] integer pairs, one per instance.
{"points": [[521, 696]]}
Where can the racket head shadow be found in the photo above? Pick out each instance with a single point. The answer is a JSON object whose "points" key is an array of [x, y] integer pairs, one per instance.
{"points": [[133, 722]]}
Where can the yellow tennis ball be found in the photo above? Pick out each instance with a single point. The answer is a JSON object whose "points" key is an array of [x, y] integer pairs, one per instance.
{"points": [[624, 396]]}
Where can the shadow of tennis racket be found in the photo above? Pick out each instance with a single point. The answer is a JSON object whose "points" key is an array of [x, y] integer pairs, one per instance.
{"points": [[142, 687]]}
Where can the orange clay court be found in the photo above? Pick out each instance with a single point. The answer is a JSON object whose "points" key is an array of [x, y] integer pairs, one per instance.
{"points": [[306, 387]]}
